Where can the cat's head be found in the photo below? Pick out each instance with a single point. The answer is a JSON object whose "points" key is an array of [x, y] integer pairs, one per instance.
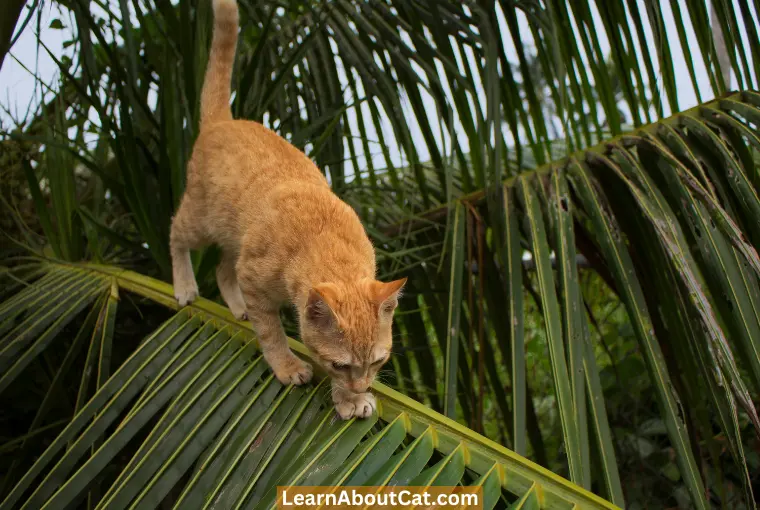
{"points": [[347, 326]]}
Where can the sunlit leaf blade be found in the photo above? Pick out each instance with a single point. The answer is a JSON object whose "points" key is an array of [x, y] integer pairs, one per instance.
{"points": [[489, 483], [224, 368], [405, 465], [529, 501], [444, 473], [373, 452]]}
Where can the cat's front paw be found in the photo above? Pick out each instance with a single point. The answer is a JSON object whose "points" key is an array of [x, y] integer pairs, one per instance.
{"points": [[361, 405], [293, 370], [185, 292], [239, 312]]}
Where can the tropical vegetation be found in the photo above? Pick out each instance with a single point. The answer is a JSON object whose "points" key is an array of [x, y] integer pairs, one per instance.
{"points": [[580, 241]]}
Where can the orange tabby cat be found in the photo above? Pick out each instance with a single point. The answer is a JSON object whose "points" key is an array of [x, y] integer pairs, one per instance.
{"points": [[285, 238]]}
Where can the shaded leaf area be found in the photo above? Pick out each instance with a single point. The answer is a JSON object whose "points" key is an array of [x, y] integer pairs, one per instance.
{"points": [[192, 416], [662, 220]]}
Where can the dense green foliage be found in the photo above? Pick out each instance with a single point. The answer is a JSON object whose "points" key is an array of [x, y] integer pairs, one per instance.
{"points": [[582, 257]]}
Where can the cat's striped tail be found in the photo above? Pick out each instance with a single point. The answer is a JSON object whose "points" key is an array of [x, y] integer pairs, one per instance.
{"points": [[215, 96]]}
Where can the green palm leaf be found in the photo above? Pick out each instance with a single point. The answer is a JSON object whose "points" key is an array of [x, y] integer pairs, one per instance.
{"points": [[217, 428]]}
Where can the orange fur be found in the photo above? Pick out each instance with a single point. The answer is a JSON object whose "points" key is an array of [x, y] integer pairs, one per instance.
{"points": [[285, 239]]}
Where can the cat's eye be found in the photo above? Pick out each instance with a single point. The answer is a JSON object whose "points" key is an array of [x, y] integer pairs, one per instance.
{"points": [[339, 366], [380, 361]]}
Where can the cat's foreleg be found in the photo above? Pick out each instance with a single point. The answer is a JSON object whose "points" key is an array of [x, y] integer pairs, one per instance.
{"points": [[287, 367], [349, 404]]}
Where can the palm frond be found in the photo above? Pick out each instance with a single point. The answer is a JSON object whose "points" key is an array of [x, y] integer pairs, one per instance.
{"points": [[216, 429]]}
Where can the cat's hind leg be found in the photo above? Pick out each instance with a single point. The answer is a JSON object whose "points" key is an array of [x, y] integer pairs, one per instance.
{"points": [[186, 234], [226, 279]]}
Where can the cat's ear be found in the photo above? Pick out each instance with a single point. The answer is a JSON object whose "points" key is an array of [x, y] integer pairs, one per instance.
{"points": [[385, 295], [320, 305]]}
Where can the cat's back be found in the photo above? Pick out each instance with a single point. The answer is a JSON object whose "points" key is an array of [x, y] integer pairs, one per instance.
{"points": [[241, 154], [267, 198]]}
